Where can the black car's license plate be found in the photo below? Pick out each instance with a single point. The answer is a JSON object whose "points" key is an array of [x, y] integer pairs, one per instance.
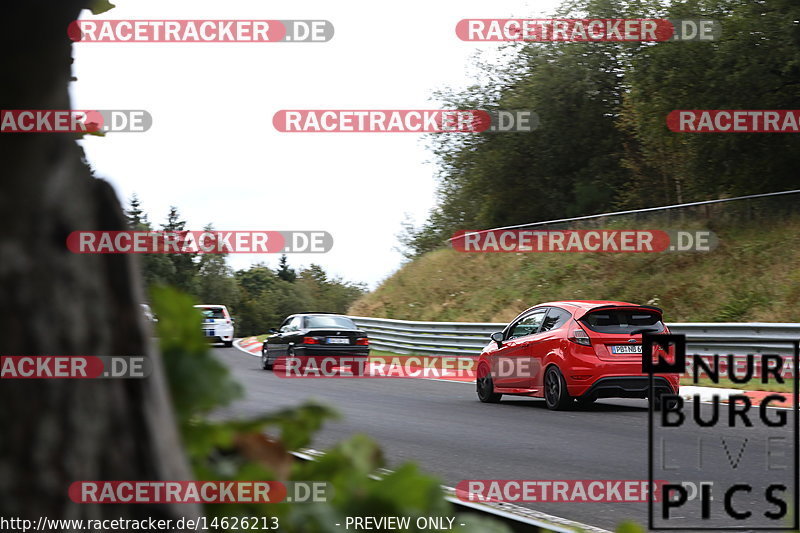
{"points": [[338, 340]]}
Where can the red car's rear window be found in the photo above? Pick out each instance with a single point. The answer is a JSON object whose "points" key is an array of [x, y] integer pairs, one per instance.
{"points": [[623, 321]]}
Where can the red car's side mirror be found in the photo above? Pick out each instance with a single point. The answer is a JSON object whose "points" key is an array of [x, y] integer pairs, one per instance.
{"points": [[498, 338]]}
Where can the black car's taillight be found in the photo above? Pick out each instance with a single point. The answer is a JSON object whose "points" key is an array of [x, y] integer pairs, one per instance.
{"points": [[363, 341]]}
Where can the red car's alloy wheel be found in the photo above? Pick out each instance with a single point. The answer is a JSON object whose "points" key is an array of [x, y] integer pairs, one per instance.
{"points": [[485, 386], [555, 390]]}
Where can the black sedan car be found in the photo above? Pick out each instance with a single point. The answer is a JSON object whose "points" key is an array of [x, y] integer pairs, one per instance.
{"points": [[317, 335]]}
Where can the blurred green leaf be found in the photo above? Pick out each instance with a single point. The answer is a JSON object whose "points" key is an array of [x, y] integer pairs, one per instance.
{"points": [[197, 380], [629, 527], [100, 6]]}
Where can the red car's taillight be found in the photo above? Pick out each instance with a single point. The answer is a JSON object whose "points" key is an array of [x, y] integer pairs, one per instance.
{"points": [[579, 336], [362, 341], [310, 340]]}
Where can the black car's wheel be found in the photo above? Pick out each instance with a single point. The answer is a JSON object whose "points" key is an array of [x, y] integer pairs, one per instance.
{"points": [[555, 390], [485, 386], [290, 355], [266, 364]]}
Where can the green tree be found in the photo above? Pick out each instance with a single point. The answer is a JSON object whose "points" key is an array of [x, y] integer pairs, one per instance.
{"points": [[754, 65], [570, 165], [284, 271], [256, 280], [266, 299], [215, 281], [185, 274], [256, 312], [137, 218], [602, 142], [332, 295], [157, 269]]}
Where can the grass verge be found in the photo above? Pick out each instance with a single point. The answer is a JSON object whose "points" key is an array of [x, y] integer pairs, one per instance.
{"points": [[751, 276]]}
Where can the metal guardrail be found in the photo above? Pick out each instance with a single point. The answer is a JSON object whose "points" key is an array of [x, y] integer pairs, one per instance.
{"points": [[468, 338], [427, 338]]}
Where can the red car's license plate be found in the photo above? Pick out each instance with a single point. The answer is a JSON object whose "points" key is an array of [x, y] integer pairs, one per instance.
{"points": [[627, 348]]}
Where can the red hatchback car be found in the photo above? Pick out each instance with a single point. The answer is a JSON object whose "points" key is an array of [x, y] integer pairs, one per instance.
{"points": [[573, 351]]}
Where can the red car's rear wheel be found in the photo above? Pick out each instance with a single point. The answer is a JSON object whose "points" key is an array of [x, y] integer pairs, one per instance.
{"points": [[555, 390]]}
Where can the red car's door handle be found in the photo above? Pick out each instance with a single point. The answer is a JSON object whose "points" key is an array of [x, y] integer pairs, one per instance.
{"points": [[530, 342]]}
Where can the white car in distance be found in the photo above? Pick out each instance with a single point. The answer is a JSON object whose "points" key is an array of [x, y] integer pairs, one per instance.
{"points": [[217, 323]]}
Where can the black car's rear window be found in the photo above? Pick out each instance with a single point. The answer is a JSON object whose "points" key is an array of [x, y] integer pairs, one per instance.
{"points": [[323, 321], [623, 320]]}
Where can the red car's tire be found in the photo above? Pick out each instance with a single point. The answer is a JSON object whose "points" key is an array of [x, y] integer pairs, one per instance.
{"points": [[555, 390], [485, 386]]}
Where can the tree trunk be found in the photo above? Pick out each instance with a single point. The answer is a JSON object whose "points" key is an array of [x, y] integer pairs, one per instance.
{"points": [[57, 431]]}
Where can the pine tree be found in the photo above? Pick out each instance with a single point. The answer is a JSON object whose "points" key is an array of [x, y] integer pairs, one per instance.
{"points": [[137, 218], [284, 272], [185, 264]]}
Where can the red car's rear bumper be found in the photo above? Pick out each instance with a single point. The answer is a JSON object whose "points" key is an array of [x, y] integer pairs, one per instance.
{"points": [[586, 374]]}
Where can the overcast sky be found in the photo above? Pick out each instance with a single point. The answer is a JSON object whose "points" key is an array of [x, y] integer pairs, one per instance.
{"points": [[213, 152]]}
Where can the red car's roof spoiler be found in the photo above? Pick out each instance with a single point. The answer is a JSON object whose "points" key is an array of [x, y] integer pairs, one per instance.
{"points": [[620, 306]]}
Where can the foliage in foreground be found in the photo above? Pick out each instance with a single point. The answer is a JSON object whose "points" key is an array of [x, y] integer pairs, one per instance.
{"points": [[258, 448]]}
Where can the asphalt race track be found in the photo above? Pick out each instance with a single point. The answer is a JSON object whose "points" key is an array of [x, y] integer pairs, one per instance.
{"points": [[443, 427]]}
